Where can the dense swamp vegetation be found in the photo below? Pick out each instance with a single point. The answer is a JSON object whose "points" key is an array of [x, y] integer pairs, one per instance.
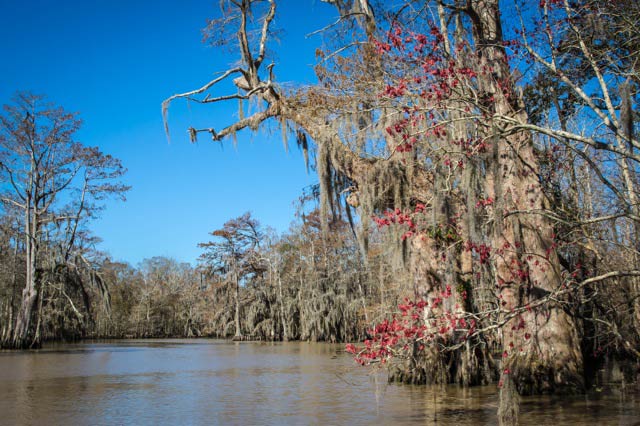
{"points": [[476, 219]]}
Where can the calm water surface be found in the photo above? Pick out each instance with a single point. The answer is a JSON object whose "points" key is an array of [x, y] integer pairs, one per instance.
{"points": [[184, 382]]}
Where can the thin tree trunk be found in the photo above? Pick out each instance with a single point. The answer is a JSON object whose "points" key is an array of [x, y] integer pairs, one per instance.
{"points": [[30, 292], [238, 334], [283, 319], [9, 326]]}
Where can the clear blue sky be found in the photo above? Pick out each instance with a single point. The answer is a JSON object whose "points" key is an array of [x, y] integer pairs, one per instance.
{"points": [[114, 62]]}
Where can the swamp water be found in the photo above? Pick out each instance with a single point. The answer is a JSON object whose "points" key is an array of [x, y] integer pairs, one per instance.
{"points": [[202, 382]]}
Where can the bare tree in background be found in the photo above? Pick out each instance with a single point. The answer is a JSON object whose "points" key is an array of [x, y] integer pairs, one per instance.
{"points": [[52, 184], [234, 254]]}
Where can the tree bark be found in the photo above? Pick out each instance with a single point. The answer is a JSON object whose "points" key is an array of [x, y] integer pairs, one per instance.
{"points": [[238, 333], [541, 346], [24, 315]]}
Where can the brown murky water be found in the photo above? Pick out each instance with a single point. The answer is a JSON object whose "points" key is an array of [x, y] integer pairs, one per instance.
{"points": [[185, 382]]}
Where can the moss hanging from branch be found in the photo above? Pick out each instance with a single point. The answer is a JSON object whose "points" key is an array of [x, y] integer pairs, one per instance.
{"points": [[323, 166], [303, 144]]}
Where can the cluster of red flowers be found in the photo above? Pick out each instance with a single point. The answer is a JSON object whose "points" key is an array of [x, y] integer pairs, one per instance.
{"points": [[440, 76], [398, 336], [484, 202], [395, 216], [472, 146], [482, 250]]}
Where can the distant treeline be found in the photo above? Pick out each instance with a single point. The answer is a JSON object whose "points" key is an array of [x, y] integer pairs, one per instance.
{"points": [[299, 286]]}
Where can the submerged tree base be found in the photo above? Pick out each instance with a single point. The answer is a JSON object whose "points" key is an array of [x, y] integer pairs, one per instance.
{"points": [[471, 366], [533, 376], [509, 402]]}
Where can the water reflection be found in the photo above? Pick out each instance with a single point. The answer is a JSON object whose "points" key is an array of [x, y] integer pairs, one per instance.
{"points": [[216, 382]]}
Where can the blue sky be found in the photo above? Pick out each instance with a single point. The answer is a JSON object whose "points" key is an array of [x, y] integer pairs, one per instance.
{"points": [[114, 62]]}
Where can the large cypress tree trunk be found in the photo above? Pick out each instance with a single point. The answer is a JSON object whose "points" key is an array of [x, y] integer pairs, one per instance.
{"points": [[540, 345]]}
